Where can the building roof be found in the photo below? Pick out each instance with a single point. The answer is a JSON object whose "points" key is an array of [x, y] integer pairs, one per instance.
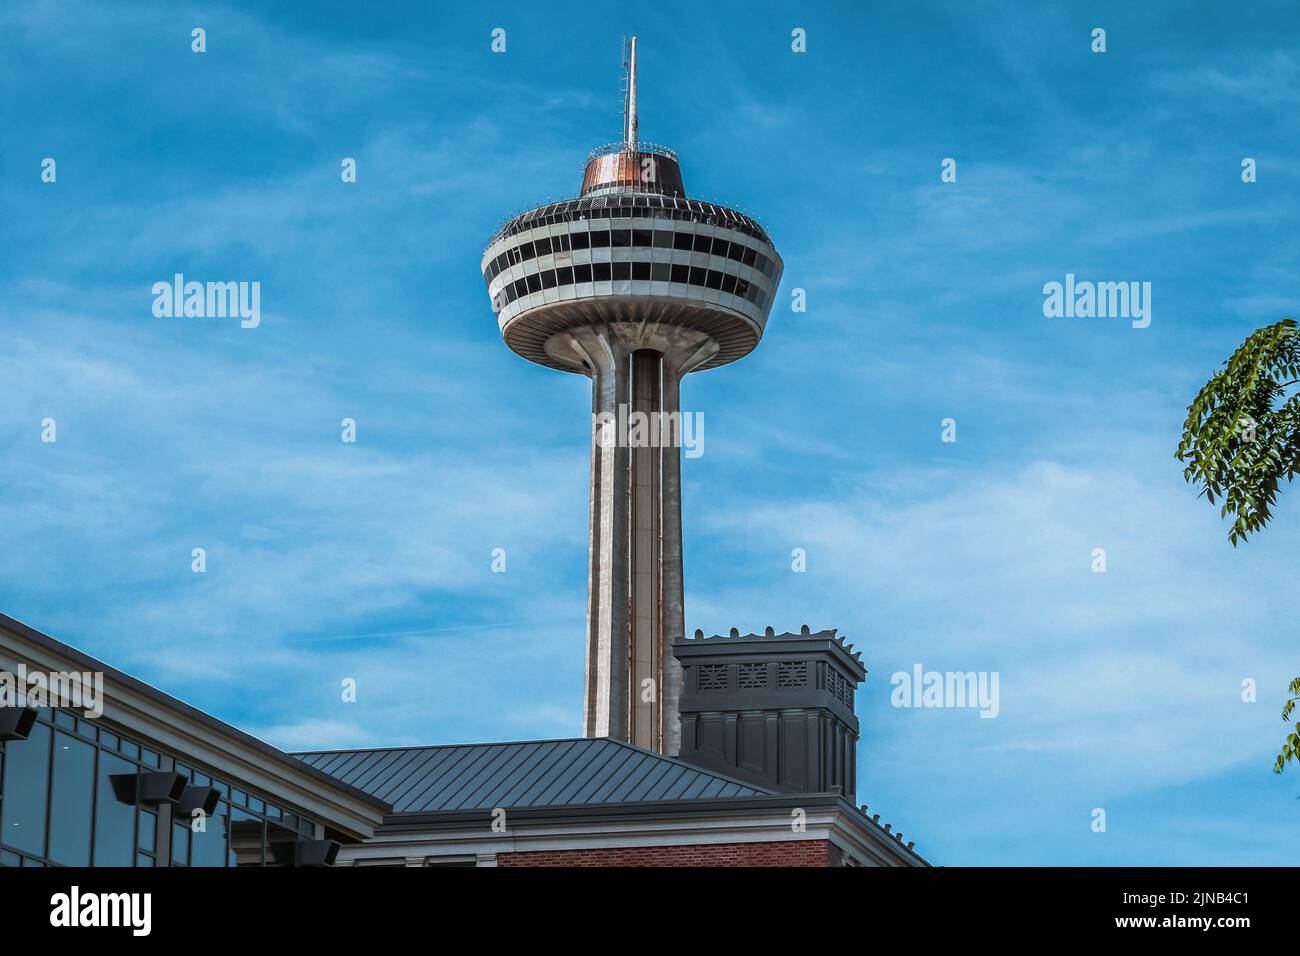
{"points": [[538, 773]]}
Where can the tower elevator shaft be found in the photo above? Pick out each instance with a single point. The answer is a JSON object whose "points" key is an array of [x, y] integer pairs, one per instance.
{"points": [[634, 583]]}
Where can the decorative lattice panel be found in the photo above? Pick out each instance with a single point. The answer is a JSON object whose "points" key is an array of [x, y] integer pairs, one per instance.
{"points": [[713, 677], [792, 674]]}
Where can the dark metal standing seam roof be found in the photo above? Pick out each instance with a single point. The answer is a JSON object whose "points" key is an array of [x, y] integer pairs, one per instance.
{"points": [[536, 773]]}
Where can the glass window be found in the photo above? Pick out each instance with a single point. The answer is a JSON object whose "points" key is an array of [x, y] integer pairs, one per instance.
{"points": [[280, 841], [702, 243], [543, 246], [640, 270], [622, 270], [64, 718], [663, 239], [680, 272], [729, 283], [131, 749], [565, 275], [600, 271], [600, 239], [697, 275], [582, 273], [548, 279], [713, 279], [620, 238], [26, 791], [742, 287], [87, 729], [534, 284], [642, 238], [736, 252], [246, 839], [661, 272], [180, 844], [115, 819], [208, 845], [683, 240], [148, 830], [70, 800], [747, 257], [581, 240]]}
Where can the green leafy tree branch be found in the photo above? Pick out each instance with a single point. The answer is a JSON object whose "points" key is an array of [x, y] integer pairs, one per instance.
{"points": [[1241, 439], [1242, 436], [1291, 747]]}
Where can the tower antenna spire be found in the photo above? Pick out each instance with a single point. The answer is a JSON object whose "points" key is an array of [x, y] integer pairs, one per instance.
{"points": [[629, 105]]}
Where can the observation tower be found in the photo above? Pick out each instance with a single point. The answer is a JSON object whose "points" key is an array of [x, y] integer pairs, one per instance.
{"points": [[633, 284]]}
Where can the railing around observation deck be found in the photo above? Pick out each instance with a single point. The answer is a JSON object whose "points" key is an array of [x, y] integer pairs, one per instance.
{"points": [[632, 206], [653, 148]]}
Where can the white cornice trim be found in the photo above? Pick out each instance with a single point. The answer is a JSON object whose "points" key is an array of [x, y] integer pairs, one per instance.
{"points": [[832, 825]]}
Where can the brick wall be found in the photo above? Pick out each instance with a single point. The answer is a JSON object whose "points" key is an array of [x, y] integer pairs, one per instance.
{"points": [[783, 853]]}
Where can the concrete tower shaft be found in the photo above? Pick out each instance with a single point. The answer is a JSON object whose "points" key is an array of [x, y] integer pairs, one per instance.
{"points": [[634, 285], [635, 589]]}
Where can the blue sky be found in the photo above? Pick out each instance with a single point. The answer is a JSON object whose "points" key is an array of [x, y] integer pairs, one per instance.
{"points": [[328, 560]]}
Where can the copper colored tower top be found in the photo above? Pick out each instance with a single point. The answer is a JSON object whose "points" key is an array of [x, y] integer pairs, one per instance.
{"points": [[632, 166]]}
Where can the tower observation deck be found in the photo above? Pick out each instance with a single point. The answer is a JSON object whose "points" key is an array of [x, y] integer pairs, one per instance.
{"points": [[634, 285]]}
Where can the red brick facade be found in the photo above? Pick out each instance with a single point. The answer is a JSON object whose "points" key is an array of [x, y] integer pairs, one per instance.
{"points": [[782, 853]]}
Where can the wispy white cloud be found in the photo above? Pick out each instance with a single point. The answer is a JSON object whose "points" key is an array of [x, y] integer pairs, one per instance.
{"points": [[1112, 684]]}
